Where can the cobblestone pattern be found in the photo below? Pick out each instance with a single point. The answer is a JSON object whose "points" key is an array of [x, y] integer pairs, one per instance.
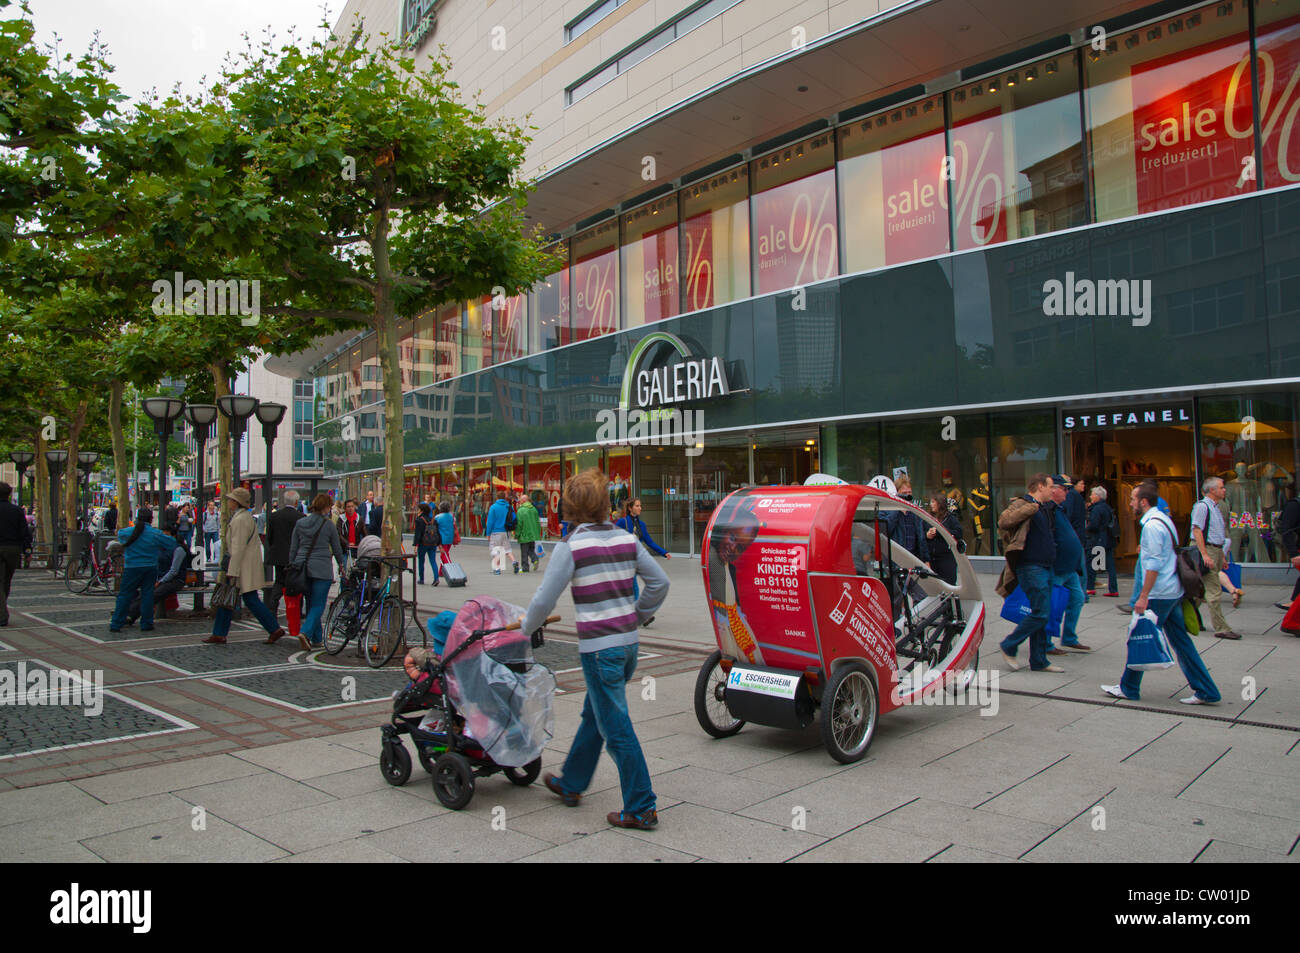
{"points": [[312, 688], [197, 659]]}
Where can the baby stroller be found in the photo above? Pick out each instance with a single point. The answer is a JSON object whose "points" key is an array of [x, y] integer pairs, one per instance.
{"points": [[484, 707]]}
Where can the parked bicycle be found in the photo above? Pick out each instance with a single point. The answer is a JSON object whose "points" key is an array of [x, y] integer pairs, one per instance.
{"points": [[89, 570], [367, 609]]}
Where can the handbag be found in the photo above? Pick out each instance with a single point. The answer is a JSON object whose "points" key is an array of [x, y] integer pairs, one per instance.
{"points": [[1189, 564], [1192, 617], [538, 551], [225, 595], [455, 539], [1148, 649], [295, 574]]}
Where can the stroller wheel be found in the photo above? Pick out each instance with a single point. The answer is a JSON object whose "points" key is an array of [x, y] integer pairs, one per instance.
{"points": [[427, 758], [395, 764], [526, 775], [453, 781]]}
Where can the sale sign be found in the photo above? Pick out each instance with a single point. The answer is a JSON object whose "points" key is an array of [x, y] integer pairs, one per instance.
{"points": [[1278, 48], [979, 191], [653, 267], [1192, 125], [700, 268], [508, 342], [796, 233], [916, 198], [595, 300]]}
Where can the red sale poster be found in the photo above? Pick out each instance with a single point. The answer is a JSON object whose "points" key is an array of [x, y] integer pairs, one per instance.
{"points": [[1192, 127], [1278, 47], [795, 233], [658, 279], [699, 261], [595, 295], [979, 191], [916, 198], [508, 341]]}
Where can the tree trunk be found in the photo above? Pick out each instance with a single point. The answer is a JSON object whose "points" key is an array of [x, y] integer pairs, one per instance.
{"points": [[44, 518], [225, 470], [390, 366], [72, 475], [122, 476]]}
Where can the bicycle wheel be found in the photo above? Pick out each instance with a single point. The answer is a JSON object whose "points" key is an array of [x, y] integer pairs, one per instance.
{"points": [[79, 573], [384, 632], [341, 624]]}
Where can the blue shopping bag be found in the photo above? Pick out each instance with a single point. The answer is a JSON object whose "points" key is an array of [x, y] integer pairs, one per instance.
{"points": [[1015, 609], [1234, 573], [1148, 649]]}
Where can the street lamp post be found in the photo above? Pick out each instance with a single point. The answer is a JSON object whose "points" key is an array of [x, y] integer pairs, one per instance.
{"points": [[270, 414], [200, 418], [85, 463], [55, 459], [237, 408], [22, 459], [163, 411]]}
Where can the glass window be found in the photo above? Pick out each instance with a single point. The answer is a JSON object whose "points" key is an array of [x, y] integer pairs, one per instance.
{"points": [[949, 457], [589, 86], [448, 346], [544, 484], [1022, 444], [480, 495], [425, 349], [618, 467], [592, 17], [510, 336], [1277, 45], [651, 289], [1169, 113], [1250, 442], [715, 229], [372, 375], [1017, 157], [478, 334], [795, 219], [653, 45], [595, 281], [549, 313], [893, 197]]}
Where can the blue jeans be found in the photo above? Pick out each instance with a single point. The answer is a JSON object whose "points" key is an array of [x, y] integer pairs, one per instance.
{"points": [[253, 602], [209, 541], [420, 553], [605, 721], [1170, 614], [1036, 581], [1110, 568], [1137, 582], [318, 594], [1070, 621], [136, 580]]}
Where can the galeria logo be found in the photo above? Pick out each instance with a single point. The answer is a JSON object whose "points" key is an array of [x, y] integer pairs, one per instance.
{"points": [[76, 906], [1084, 297]]}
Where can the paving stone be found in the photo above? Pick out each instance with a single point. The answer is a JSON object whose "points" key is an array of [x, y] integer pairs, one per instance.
{"points": [[307, 758], [197, 659], [454, 836], [1123, 841], [159, 779], [1222, 852], [258, 795], [836, 804], [872, 844], [1226, 823], [310, 687], [359, 850], [608, 847], [727, 838], [956, 854], [77, 825], [952, 823], [176, 840], [1247, 790], [723, 792], [307, 828], [559, 824], [26, 804]]}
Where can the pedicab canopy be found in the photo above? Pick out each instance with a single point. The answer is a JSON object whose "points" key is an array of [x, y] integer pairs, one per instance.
{"points": [[794, 579]]}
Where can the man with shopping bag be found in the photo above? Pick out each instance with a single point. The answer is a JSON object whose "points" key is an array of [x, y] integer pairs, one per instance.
{"points": [[1162, 593]]}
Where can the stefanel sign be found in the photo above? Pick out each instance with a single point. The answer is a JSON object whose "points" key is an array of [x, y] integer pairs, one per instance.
{"points": [[1161, 415]]}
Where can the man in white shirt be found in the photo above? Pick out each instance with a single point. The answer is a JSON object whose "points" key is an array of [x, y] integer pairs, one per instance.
{"points": [[1162, 592], [1209, 534]]}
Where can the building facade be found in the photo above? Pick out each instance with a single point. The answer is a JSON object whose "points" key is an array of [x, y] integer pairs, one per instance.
{"points": [[839, 237]]}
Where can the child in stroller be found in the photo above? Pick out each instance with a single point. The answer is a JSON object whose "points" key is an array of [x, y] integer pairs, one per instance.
{"points": [[484, 707]]}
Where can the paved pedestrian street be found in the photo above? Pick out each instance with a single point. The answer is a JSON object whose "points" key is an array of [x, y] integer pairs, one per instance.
{"points": [[280, 751]]}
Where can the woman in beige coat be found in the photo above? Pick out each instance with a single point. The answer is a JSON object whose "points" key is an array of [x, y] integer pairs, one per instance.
{"points": [[244, 569]]}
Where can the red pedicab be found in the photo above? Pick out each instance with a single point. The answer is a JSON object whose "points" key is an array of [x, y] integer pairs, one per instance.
{"points": [[814, 607]]}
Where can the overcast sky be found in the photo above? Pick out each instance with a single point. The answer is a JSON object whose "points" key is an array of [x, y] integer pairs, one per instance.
{"points": [[155, 43]]}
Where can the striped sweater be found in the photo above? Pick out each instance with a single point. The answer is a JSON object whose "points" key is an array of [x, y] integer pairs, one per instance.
{"points": [[600, 560]]}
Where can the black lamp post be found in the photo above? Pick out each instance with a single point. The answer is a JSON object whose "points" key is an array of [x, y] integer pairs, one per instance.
{"points": [[56, 460], [270, 414], [85, 463], [22, 459], [200, 417], [237, 408], [163, 411]]}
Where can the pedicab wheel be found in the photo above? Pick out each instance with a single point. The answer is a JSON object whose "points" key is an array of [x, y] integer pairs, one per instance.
{"points": [[710, 708], [526, 775], [849, 712], [340, 625], [384, 632], [395, 764], [453, 781]]}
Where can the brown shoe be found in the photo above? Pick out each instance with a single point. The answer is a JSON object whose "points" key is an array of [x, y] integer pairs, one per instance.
{"points": [[1057, 652], [305, 645], [553, 785], [1076, 647], [276, 636], [1227, 635], [1127, 610], [646, 821], [214, 640]]}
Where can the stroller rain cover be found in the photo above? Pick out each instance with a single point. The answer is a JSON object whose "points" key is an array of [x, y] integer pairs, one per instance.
{"points": [[507, 712]]}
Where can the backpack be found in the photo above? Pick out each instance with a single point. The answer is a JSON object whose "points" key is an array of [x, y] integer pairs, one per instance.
{"points": [[1113, 525], [511, 519], [431, 535], [1190, 568]]}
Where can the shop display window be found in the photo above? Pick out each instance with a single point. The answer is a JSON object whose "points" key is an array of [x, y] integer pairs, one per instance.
{"points": [[651, 281], [595, 281], [548, 314], [479, 496], [545, 481], [1022, 444], [477, 341], [448, 344], [715, 239], [509, 328], [946, 455], [795, 218]]}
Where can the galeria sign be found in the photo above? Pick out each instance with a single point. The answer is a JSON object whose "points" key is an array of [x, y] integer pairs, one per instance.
{"points": [[688, 378]]}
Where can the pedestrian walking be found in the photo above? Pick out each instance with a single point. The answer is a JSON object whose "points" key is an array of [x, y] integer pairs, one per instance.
{"points": [[351, 528], [632, 522], [500, 519], [528, 533], [185, 523], [1026, 531], [1102, 528], [599, 561], [316, 545], [143, 546], [1162, 592], [426, 542], [211, 531], [1288, 529], [15, 537], [279, 534], [942, 559], [447, 534], [1066, 569], [245, 569], [110, 517], [1209, 535]]}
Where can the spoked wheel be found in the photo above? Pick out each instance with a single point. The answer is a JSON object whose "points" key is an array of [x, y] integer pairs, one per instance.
{"points": [[453, 780], [710, 709], [395, 764], [849, 712], [341, 625], [526, 775], [385, 630], [79, 573]]}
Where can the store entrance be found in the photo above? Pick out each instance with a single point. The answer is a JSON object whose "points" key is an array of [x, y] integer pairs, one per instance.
{"points": [[1121, 458]]}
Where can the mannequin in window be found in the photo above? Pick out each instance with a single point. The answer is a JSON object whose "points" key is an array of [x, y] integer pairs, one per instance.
{"points": [[981, 531]]}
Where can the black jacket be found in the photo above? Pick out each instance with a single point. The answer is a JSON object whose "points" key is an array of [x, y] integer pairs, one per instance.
{"points": [[1288, 526], [1099, 515], [13, 526], [341, 524], [279, 532]]}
